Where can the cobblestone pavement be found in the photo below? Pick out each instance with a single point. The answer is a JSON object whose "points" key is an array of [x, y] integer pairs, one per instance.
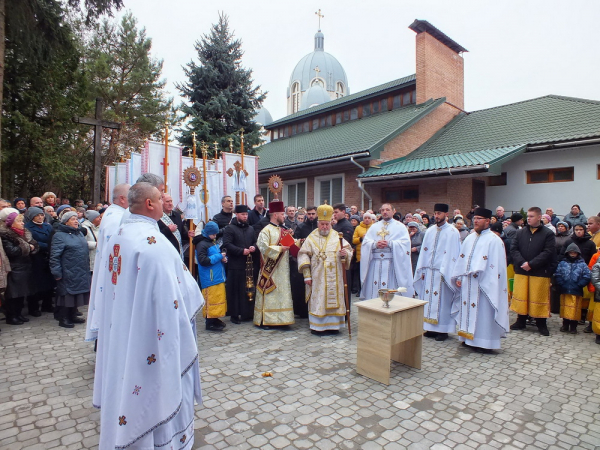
{"points": [[537, 392]]}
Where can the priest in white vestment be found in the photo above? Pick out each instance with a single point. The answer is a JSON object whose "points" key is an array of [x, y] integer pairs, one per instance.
{"points": [[323, 261], [439, 253], [385, 257], [481, 309], [147, 375], [273, 305], [111, 219]]}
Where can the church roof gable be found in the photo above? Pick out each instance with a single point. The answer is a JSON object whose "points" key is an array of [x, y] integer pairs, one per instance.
{"points": [[352, 137], [479, 136]]}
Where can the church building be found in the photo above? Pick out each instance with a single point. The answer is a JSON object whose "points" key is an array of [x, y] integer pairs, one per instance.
{"points": [[410, 142]]}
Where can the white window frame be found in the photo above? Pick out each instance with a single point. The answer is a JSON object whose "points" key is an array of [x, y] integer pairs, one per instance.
{"points": [[292, 182], [318, 180], [269, 193]]}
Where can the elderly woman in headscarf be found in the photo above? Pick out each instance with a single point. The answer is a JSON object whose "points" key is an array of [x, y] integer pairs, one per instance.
{"points": [[92, 225], [70, 266], [40, 268], [18, 246], [417, 218]]}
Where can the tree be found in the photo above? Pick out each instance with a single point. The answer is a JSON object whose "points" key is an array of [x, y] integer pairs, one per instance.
{"points": [[127, 78], [35, 29], [221, 98]]}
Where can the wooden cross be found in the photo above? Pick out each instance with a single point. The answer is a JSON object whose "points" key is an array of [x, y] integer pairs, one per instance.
{"points": [[318, 13], [98, 124]]}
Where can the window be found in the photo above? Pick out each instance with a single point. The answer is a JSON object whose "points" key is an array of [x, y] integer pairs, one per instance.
{"points": [[329, 188], [354, 113], [322, 121], [396, 102], [339, 89], [375, 106], [318, 82], [266, 193], [405, 194], [295, 97], [498, 180], [338, 118], [366, 110], [406, 98], [294, 193], [315, 124], [346, 116], [557, 175], [293, 129], [384, 104]]}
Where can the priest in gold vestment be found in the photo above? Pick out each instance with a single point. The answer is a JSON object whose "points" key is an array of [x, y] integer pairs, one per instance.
{"points": [[273, 305], [322, 261]]}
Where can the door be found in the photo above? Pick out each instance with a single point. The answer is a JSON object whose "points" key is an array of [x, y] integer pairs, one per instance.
{"points": [[478, 193]]}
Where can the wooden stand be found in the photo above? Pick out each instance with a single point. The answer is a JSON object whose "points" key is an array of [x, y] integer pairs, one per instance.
{"points": [[394, 333]]}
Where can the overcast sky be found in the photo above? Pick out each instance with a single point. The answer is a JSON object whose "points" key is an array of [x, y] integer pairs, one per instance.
{"points": [[517, 49]]}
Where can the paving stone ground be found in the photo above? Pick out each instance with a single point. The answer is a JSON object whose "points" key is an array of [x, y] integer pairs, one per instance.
{"points": [[536, 393]]}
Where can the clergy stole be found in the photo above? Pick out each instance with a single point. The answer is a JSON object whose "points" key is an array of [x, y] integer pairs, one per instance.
{"points": [[266, 284]]}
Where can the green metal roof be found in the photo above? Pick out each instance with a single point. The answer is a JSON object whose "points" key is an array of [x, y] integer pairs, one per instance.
{"points": [[352, 137], [480, 136], [333, 104]]}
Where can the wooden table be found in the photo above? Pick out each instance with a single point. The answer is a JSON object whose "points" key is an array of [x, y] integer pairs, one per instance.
{"points": [[384, 334]]}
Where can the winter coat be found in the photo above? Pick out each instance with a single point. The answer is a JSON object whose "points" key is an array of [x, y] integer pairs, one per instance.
{"points": [[415, 241], [572, 275], [4, 268], [236, 237], [305, 228], [92, 240], [587, 248], [538, 249], [70, 261], [254, 216], [222, 219], [554, 220], [292, 224], [40, 265], [211, 270], [18, 251], [576, 220], [561, 239], [595, 280], [357, 238], [507, 243], [344, 226], [260, 225], [510, 232]]}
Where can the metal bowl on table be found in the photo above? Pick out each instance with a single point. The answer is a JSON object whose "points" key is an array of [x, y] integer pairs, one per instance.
{"points": [[386, 295]]}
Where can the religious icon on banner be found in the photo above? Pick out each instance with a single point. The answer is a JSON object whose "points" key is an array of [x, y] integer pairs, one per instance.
{"points": [[276, 186], [239, 177]]}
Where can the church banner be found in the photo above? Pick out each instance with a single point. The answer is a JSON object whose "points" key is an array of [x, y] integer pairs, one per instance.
{"points": [[240, 183]]}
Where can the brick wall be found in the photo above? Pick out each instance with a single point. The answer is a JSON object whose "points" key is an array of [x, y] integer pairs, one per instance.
{"points": [[440, 71], [418, 134]]}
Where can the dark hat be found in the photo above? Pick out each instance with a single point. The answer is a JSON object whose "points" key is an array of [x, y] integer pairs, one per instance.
{"points": [[241, 209], [516, 217], [210, 228], [573, 248], [276, 206], [497, 227], [442, 207], [482, 212]]}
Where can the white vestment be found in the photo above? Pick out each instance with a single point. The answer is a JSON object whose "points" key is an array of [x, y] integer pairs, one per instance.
{"points": [[147, 373], [439, 253], [387, 268], [481, 309], [111, 220], [320, 261]]}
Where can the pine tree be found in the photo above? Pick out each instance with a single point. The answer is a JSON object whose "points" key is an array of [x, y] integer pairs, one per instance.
{"points": [[220, 95], [123, 73]]}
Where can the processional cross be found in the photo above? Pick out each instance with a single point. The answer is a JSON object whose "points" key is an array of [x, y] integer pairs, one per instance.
{"points": [[98, 124]]}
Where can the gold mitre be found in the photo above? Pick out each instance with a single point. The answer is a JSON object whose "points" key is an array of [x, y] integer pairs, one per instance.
{"points": [[325, 212]]}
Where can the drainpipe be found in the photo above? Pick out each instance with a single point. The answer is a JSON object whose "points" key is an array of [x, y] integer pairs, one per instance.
{"points": [[360, 186]]}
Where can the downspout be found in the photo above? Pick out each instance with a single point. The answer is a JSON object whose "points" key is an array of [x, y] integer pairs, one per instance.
{"points": [[360, 186]]}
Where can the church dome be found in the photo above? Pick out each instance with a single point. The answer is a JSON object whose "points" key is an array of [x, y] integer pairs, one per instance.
{"points": [[318, 68], [315, 95], [263, 117]]}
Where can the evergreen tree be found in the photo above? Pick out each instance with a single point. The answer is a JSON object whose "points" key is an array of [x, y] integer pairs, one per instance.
{"points": [[123, 73], [220, 97]]}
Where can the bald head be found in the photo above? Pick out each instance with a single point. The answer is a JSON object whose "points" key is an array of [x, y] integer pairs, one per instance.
{"points": [[36, 201], [120, 192], [145, 199], [154, 180]]}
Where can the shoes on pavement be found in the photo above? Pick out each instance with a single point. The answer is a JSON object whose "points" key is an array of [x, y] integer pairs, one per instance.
{"points": [[441, 337]]}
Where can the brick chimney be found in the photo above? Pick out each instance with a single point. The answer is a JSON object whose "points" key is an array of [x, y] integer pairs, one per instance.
{"points": [[440, 65]]}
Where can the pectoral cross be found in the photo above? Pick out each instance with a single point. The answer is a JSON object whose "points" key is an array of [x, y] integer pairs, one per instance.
{"points": [[383, 232]]}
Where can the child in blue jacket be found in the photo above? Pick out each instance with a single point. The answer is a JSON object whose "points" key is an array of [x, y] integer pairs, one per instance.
{"points": [[572, 274]]}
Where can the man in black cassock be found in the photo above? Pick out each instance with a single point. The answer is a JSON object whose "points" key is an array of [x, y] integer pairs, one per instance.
{"points": [[240, 242], [297, 279]]}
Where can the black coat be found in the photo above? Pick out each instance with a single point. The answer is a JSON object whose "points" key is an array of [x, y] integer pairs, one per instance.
{"points": [[20, 280], [260, 225], [40, 262], [538, 249], [585, 244], [164, 229], [344, 226], [177, 220], [70, 261], [305, 228], [254, 216], [237, 237], [222, 219]]}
